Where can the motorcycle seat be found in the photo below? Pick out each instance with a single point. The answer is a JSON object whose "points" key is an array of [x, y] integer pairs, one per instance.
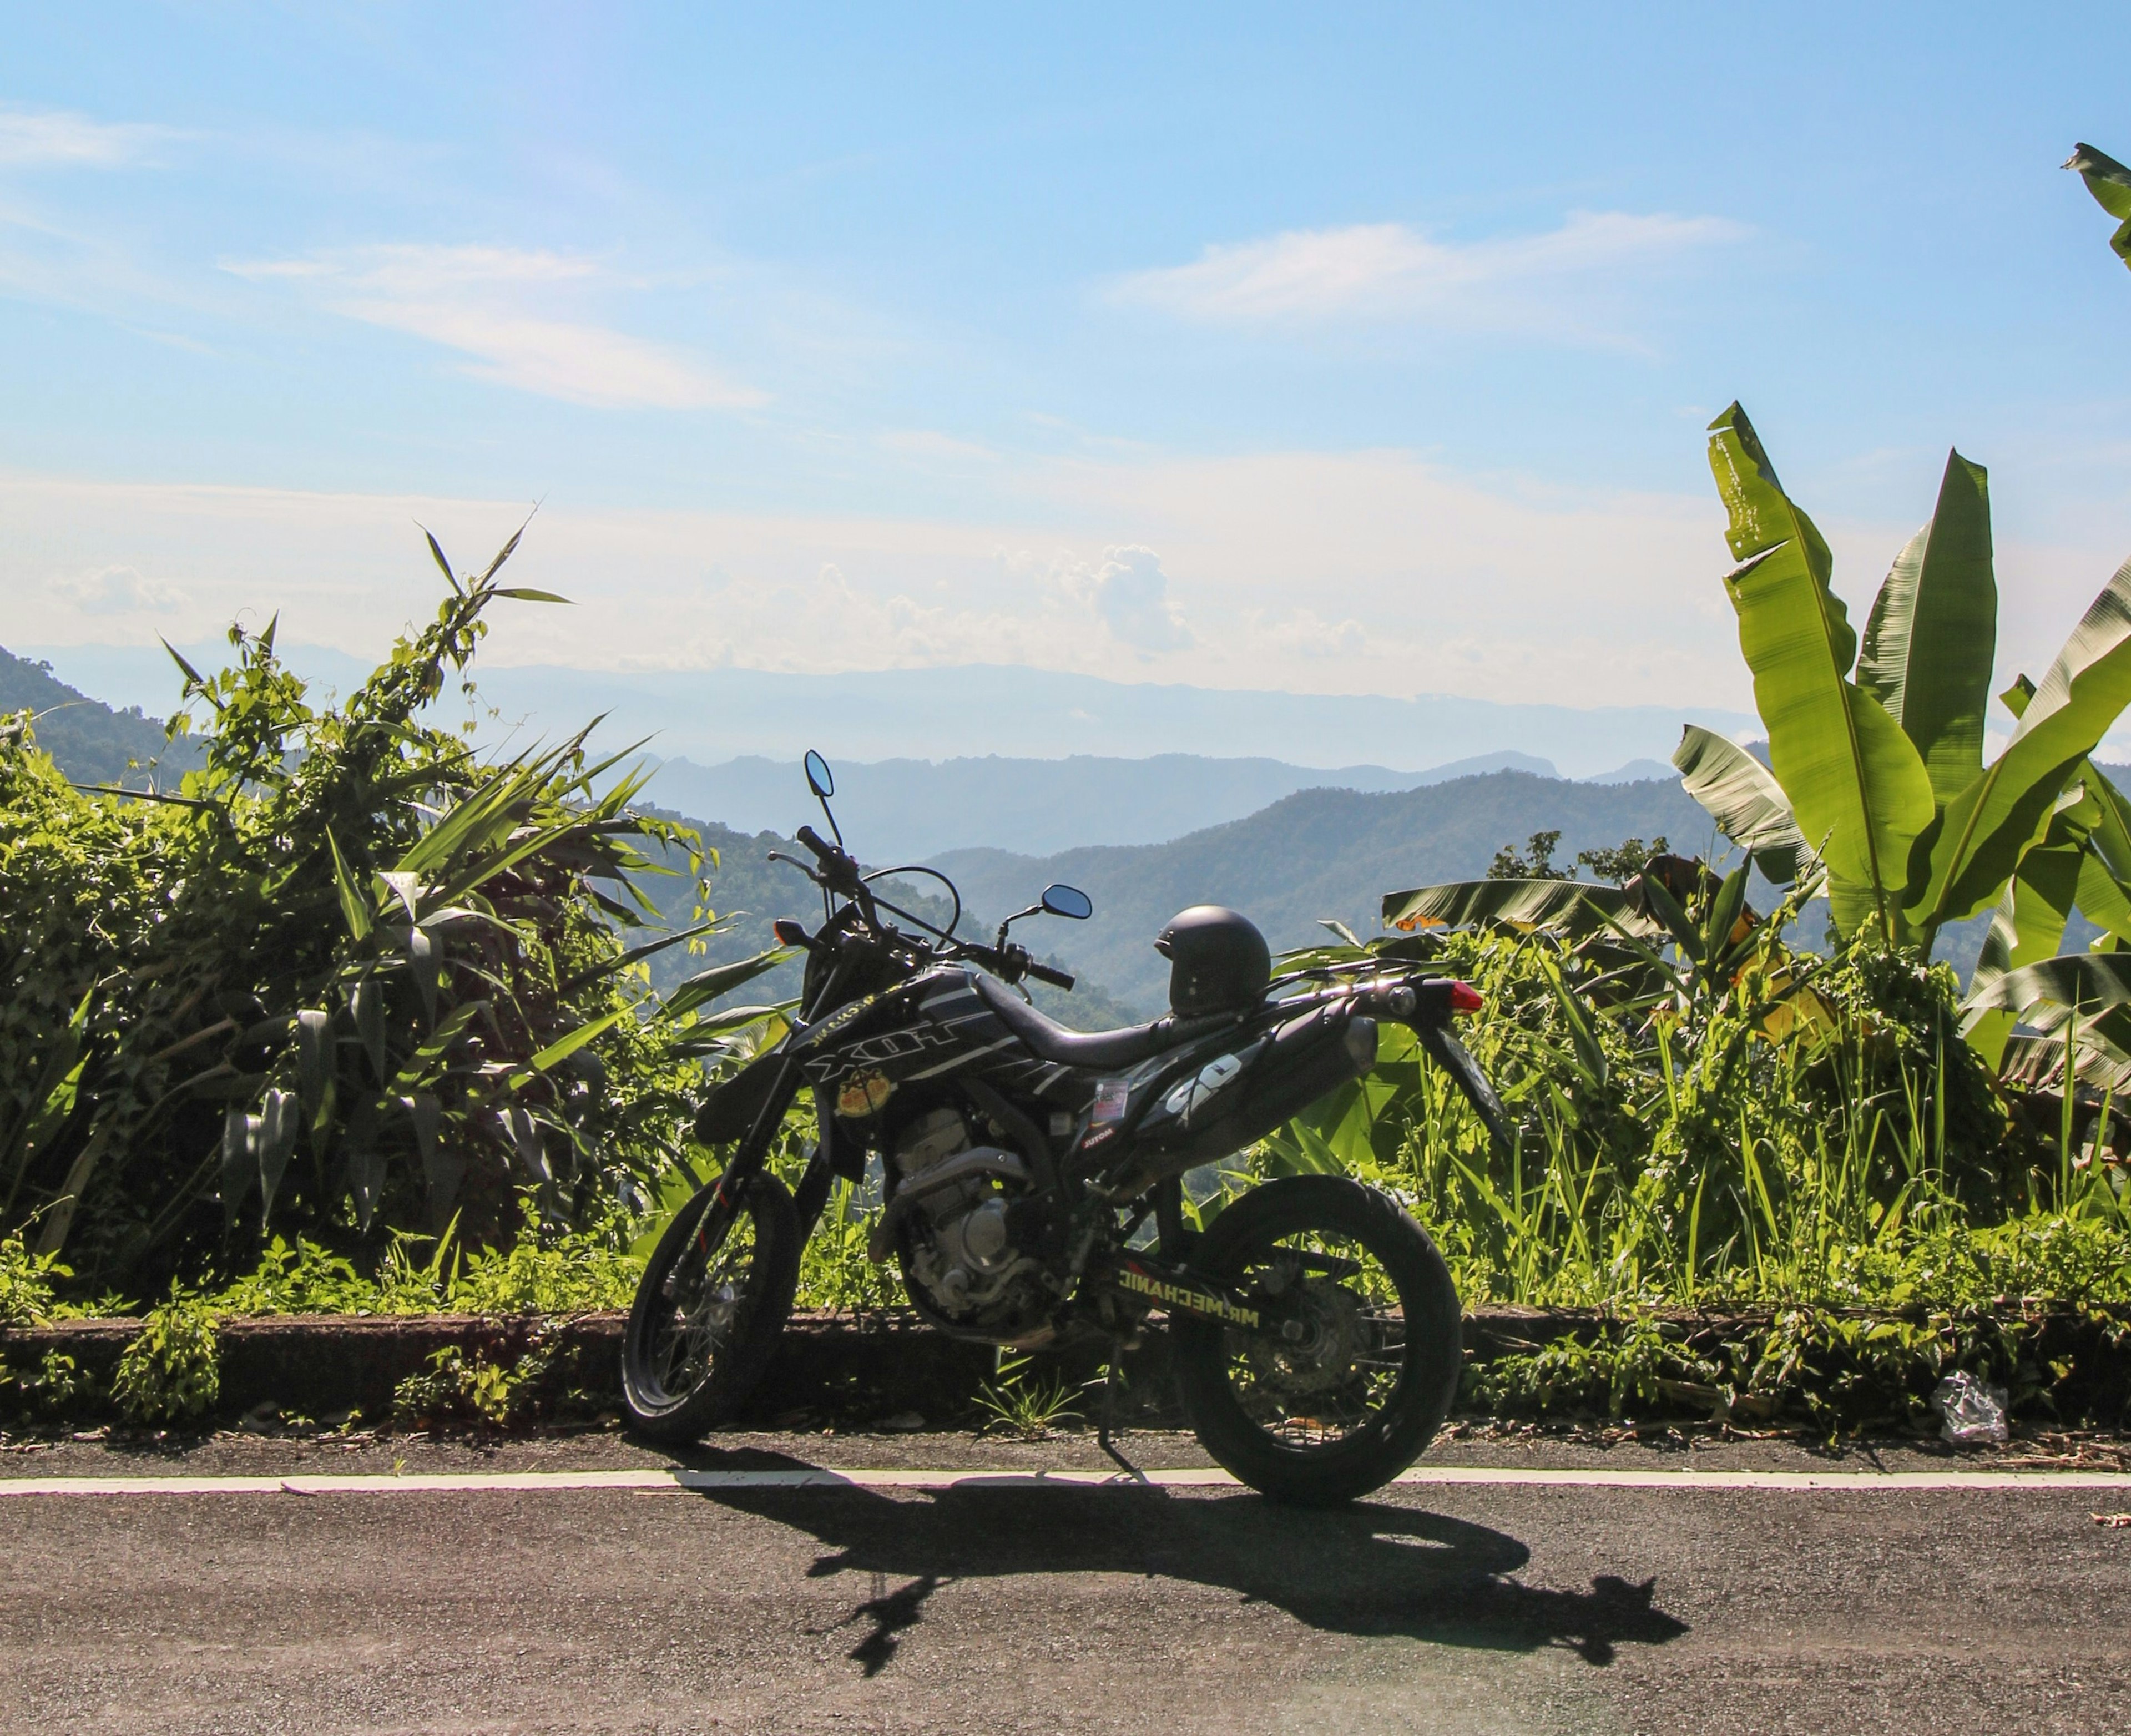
{"points": [[1050, 1041]]}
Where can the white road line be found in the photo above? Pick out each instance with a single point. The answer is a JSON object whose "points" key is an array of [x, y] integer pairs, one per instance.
{"points": [[810, 1477]]}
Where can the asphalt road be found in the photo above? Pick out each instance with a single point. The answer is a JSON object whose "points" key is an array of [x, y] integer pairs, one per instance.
{"points": [[1469, 1608]]}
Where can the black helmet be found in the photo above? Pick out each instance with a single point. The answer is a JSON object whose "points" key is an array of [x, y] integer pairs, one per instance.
{"points": [[1218, 963]]}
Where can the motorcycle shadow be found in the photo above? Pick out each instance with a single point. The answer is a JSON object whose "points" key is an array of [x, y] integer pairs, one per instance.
{"points": [[1367, 1569]]}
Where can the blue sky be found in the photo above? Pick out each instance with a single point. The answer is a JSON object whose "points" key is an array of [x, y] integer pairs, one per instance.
{"points": [[1228, 346]]}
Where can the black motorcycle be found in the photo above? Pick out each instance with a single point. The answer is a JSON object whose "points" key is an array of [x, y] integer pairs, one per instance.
{"points": [[1032, 1180]]}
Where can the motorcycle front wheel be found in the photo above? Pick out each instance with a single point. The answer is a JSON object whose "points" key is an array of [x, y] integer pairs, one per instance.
{"points": [[709, 1309], [1362, 1362]]}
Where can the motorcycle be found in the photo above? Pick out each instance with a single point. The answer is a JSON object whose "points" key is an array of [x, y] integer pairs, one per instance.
{"points": [[1032, 1178]]}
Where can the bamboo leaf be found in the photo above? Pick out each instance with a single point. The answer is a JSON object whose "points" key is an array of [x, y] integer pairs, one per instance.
{"points": [[240, 1167], [192, 675], [1743, 797], [565, 1046], [443, 566], [1934, 632], [354, 908], [366, 1001], [532, 1151], [405, 887], [1852, 777], [526, 593], [707, 985], [277, 1141]]}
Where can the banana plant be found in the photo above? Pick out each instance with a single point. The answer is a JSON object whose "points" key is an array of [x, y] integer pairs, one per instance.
{"points": [[1876, 753]]}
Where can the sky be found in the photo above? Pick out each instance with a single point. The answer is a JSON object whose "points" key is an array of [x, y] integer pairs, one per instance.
{"points": [[1365, 353]]}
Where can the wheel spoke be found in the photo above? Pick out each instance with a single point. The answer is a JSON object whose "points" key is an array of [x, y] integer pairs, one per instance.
{"points": [[1343, 1366], [707, 1310]]}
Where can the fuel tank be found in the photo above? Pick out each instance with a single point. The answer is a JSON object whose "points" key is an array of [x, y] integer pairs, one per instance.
{"points": [[933, 1026]]}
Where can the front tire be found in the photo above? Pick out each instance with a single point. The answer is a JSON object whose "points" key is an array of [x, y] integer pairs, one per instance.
{"points": [[1352, 1398], [709, 1309]]}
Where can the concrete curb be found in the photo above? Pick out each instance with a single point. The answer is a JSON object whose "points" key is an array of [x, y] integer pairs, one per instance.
{"points": [[828, 1367]]}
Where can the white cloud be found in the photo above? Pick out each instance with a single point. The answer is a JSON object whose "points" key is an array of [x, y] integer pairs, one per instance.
{"points": [[56, 138], [498, 305], [1326, 573], [1392, 272], [117, 591], [1129, 592]]}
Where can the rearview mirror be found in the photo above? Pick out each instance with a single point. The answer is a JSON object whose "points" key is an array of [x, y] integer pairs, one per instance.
{"points": [[1068, 901], [819, 778]]}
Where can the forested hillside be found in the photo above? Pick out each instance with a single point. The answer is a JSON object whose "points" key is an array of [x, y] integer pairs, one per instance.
{"points": [[90, 742], [749, 892], [1319, 853]]}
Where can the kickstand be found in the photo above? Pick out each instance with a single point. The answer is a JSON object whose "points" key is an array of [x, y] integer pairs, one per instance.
{"points": [[1110, 1384]]}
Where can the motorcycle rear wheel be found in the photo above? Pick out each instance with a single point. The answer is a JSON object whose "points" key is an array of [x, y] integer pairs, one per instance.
{"points": [[1370, 1364], [709, 1309]]}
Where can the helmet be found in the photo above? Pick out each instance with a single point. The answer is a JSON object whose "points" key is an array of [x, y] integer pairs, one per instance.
{"points": [[1218, 963]]}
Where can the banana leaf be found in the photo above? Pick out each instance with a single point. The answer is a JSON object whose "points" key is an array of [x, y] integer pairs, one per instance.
{"points": [[1934, 632], [2027, 927], [2090, 981], [1981, 835], [1748, 805], [2109, 182], [1853, 778], [1575, 905]]}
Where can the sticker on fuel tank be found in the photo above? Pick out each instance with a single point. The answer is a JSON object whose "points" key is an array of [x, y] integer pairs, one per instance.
{"points": [[1184, 1100], [863, 1094]]}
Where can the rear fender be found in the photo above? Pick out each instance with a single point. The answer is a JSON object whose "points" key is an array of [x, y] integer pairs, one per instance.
{"points": [[1455, 1059]]}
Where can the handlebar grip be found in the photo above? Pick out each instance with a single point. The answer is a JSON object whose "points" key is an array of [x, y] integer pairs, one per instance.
{"points": [[1044, 973], [814, 842]]}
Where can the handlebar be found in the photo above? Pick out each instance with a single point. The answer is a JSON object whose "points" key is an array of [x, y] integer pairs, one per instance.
{"points": [[839, 874]]}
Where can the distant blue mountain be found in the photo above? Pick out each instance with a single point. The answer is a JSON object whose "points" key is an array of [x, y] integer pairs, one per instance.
{"points": [[908, 810], [713, 716]]}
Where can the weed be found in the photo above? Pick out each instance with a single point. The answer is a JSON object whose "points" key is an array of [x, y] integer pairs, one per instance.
{"points": [[1021, 1406], [472, 1392], [171, 1372], [27, 1281]]}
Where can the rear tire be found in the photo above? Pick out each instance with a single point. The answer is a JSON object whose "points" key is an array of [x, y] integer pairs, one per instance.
{"points": [[707, 1317], [1346, 1411]]}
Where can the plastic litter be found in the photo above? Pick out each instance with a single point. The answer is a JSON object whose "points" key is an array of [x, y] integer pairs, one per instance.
{"points": [[1974, 1414]]}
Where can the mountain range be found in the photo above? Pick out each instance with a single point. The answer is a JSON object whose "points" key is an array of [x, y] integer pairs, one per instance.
{"points": [[711, 715], [910, 810], [1314, 852]]}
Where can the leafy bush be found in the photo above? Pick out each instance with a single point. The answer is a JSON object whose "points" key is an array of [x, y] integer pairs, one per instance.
{"points": [[171, 1372], [346, 977], [1706, 1116]]}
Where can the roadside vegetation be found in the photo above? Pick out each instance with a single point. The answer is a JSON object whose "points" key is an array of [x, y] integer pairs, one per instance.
{"points": [[349, 1018]]}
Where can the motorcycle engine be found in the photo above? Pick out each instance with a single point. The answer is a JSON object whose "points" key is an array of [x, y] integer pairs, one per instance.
{"points": [[960, 1256]]}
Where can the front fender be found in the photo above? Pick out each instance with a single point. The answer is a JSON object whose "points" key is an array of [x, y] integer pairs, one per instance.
{"points": [[734, 1106]]}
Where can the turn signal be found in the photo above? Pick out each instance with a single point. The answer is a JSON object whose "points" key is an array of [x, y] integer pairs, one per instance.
{"points": [[791, 934], [1464, 998]]}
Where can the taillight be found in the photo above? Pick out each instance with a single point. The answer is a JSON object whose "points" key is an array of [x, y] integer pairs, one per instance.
{"points": [[1464, 998]]}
